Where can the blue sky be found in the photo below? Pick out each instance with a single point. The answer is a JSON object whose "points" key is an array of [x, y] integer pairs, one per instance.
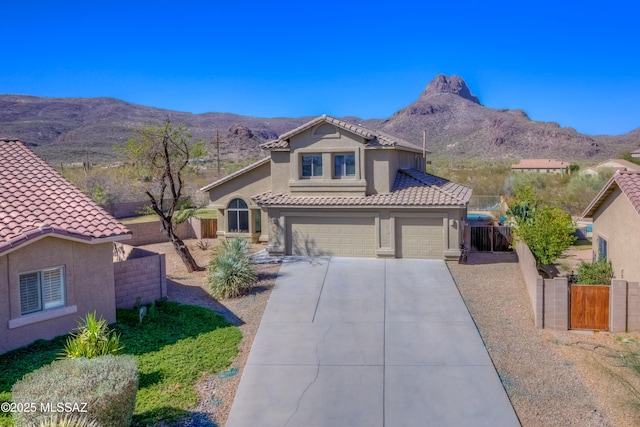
{"points": [[575, 65]]}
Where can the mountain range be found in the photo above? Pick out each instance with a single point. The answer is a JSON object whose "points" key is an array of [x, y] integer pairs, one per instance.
{"points": [[453, 119]]}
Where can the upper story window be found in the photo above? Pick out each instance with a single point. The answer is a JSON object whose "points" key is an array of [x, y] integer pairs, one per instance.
{"points": [[311, 165], [238, 216], [41, 290], [344, 165]]}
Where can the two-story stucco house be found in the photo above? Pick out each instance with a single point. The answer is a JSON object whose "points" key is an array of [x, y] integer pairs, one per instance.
{"points": [[616, 224], [330, 187]]}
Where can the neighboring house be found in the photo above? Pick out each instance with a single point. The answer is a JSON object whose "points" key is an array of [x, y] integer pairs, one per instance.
{"points": [[56, 251], [616, 224], [635, 153], [612, 165], [331, 187], [541, 165]]}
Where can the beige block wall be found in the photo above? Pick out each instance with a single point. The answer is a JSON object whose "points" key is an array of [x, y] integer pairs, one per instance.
{"points": [[617, 221], [146, 233], [89, 285], [141, 279], [624, 306]]}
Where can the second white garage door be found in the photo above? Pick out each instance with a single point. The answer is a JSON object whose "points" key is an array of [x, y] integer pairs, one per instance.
{"points": [[419, 238], [342, 236]]}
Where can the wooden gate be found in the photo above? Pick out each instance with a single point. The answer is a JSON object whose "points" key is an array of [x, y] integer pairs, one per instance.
{"points": [[589, 307], [491, 239], [208, 228]]}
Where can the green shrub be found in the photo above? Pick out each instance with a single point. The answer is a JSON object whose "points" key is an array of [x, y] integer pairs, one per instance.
{"points": [[598, 273], [105, 387], [66, 420], [231, 270], [92, 339]]}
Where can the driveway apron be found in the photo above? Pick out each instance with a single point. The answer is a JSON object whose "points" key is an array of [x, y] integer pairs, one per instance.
{"points": [[350, 342]]}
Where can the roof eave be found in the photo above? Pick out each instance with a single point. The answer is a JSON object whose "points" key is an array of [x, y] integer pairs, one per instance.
{"points": [[597, 201], [32, 237], [242, 171]]}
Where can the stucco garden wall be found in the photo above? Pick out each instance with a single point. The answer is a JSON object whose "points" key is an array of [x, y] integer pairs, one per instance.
{"points": [[146, 233]]}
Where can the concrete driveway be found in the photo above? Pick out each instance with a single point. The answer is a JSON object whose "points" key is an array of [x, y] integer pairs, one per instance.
{"points": [[350, 342]]}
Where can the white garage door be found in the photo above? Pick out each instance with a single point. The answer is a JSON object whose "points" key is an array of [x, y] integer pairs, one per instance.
{"points": [[419, 238], [344, 236]]}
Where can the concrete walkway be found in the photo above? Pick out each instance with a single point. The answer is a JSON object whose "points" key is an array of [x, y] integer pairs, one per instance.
{"points": [[355, 342]]}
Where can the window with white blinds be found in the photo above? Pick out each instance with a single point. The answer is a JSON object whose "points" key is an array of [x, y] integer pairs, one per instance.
{"points": [[41, 290]]}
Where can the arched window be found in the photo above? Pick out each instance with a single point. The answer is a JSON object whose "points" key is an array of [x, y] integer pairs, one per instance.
{"points": [[238, 216]]}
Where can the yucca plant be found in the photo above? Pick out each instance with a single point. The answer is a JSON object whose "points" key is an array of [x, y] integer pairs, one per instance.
{"points": [[92, 339], [66, 420], [231, 270]]}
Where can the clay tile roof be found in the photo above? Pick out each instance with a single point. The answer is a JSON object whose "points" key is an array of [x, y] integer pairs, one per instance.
{"points": [[410, 188], [540, 164], [629, 184], [375, 138], [36, 200]]}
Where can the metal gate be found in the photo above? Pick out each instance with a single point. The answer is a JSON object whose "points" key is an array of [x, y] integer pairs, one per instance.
{"points": [[491, 239], [589, 307]]}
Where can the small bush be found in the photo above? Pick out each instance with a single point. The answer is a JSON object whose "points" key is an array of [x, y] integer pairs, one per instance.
{"points": [[231, 270], [92, 339], [105, 387], [598, 273]]}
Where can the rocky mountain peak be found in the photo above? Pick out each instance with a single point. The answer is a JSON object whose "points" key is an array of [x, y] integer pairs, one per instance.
{"points": [[449, 84]]}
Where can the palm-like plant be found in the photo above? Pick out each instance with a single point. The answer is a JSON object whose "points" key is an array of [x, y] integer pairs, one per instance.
{"points": [[231, 270], [92, 339]]}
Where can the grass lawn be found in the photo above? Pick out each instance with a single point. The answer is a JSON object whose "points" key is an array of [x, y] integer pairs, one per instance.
{"points": [[140, 219], [173, 351]]}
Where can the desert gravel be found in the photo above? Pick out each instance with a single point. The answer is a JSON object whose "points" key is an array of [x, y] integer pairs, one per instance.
{"points": [[553, 378]]}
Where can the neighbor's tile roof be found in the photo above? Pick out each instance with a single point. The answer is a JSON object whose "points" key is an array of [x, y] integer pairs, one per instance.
{"points": [[617, 164], [36, 200], [540, 164], [375, 138], [629, 184], [410, 188]]}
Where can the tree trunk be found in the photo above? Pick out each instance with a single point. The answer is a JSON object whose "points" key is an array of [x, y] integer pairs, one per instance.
{"points": [[180, 248]]}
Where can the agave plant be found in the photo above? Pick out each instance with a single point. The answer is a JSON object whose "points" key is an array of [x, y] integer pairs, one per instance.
{"points": [[92, 338]]}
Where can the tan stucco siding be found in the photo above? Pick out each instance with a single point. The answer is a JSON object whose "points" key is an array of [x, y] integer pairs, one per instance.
{"points": [[280, 172], [328, 146], [88, 284], [379, 174], [245, 186], [617, 222]]}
